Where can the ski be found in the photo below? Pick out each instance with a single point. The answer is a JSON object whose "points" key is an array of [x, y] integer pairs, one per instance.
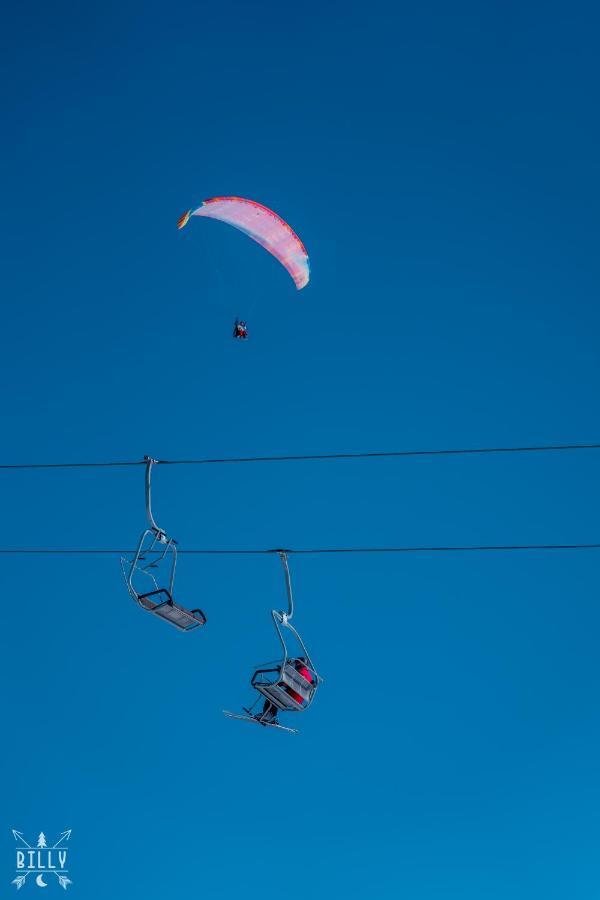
{"points": [[231, 715]]}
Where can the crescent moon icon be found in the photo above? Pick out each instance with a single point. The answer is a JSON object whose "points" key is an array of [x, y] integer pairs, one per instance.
{"points": [[40, 881]]}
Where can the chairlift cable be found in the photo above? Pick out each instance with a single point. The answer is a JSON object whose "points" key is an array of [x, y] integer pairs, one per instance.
{"points": [[383, 454], [299, 551]]}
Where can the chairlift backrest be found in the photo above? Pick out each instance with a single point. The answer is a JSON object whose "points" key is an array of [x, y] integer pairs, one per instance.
{"points": [[285, 686]]}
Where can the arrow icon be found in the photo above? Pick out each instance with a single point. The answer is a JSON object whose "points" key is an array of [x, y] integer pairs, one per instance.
{"points": [[19, 837], [64, 837]]}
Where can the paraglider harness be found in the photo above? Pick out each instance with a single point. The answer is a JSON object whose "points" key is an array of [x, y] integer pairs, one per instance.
{"points": [[291, 684], [156, 552], [240, 330]]}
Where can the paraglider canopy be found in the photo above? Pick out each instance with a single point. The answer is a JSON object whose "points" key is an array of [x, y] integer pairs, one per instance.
{"points": [[262, 225]]}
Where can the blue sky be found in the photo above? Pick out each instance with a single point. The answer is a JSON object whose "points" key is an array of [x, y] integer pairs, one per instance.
{"points": [[441, 165]]}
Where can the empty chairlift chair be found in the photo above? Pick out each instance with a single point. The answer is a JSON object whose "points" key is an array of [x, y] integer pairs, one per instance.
{"points": [[150, 575]]}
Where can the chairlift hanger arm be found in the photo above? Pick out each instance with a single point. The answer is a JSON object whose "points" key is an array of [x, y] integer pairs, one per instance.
{"points": [[162, 535], [278, 621], [281, 618], [288, 586]]}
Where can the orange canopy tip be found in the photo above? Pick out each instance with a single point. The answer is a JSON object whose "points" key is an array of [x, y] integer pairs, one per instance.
{"points": [[184, 219]]}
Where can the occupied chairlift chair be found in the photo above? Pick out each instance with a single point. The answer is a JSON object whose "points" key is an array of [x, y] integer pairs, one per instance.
{"points": [[156, 552], [290, 685]]}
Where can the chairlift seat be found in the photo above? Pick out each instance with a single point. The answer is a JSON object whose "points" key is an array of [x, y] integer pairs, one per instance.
{"points": [[276, 683], [162, 604]]}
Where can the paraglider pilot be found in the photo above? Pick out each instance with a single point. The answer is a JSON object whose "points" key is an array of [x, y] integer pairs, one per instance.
{"points": [[240, 330]]}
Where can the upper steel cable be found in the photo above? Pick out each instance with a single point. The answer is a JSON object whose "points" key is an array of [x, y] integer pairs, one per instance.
{"points": [[300, 457], [258, 551]]}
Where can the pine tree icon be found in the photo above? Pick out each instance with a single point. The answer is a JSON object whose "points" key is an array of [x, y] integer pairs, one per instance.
{"points": [[42, 841]]}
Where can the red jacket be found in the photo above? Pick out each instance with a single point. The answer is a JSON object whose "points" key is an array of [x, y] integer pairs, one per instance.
{"points": [[306, 673]]}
